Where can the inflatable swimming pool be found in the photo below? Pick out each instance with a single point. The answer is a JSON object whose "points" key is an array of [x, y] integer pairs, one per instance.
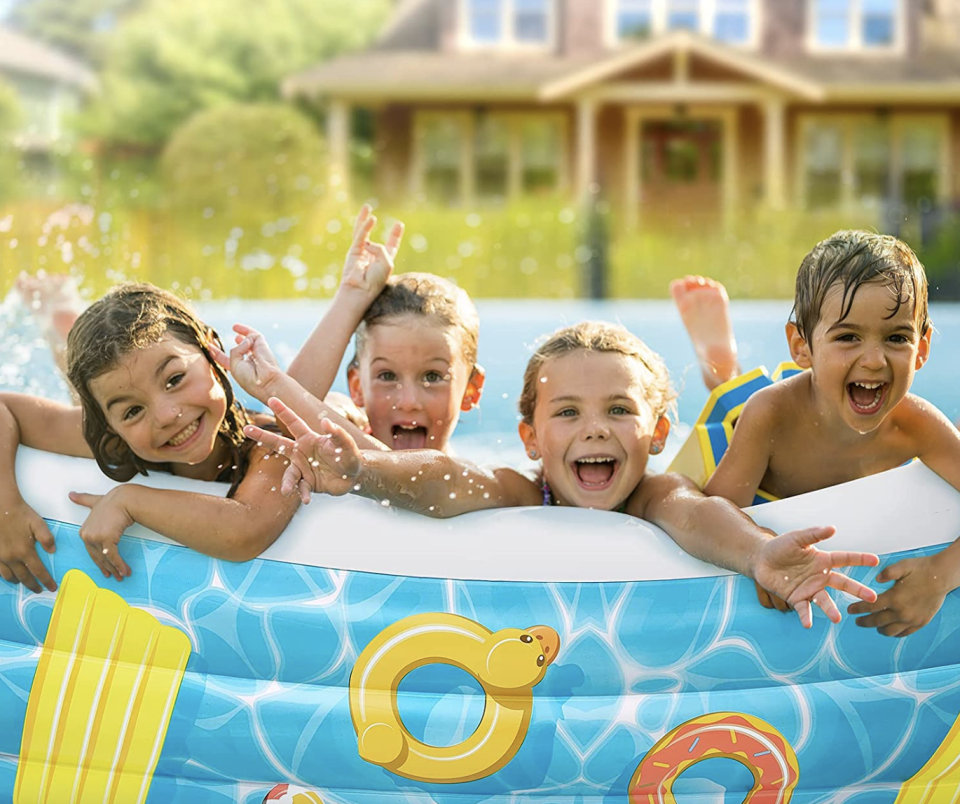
{"points": [[525, 655]]}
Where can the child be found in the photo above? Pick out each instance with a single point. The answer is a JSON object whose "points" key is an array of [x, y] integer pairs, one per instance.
{"points": [[416, 366], [152, 397], [860, 325], [594, 405]]}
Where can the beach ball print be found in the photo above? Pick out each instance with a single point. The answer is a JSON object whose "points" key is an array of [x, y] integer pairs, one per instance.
{"points": [[291, 794]]}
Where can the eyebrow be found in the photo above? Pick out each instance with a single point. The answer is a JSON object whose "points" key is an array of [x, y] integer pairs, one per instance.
{"points": [[160, 367], [573, 398], [911, 327], [429, 360]]}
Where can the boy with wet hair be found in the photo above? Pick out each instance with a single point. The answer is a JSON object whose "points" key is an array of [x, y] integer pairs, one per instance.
{"points": [[860, 324]]}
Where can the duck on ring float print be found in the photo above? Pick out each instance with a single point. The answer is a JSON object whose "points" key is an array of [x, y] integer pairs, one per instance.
{"points": [[659, 680]]}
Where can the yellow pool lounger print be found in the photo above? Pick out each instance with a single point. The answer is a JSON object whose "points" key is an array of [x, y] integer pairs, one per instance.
{"points": [[522, 656]]}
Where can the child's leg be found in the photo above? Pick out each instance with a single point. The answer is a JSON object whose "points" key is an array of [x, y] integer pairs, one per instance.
{"points": [[55, 302], [705, 310]]}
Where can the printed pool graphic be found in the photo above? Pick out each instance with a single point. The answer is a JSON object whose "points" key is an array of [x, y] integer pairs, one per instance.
{"points": [[676, 687]]}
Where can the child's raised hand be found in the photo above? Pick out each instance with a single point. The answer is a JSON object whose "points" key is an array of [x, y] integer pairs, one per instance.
{"points": [[105, 524], [791, 567], [368, 265], [919, 588], [21, 530], [250, 362], [327, 462]]}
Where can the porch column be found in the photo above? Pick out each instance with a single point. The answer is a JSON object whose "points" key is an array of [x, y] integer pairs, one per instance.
{"points": [[774, 152], [731, 166], [586, 146], [338, 140], [631, 161]]}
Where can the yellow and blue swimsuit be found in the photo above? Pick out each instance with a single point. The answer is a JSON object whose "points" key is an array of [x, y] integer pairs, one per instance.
{"points": [[701, 452]]}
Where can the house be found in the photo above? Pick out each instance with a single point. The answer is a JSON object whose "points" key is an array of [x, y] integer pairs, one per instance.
{"points": [[49, 86], [701, 106]]}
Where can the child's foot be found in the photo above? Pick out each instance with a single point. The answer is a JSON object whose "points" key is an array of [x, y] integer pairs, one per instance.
{"points": [[705, 310], [54, 300]]}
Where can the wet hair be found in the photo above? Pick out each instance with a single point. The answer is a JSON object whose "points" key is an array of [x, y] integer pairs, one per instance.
{"points": [[429, 296], [130, 317], [597, 336], [853, 258]]}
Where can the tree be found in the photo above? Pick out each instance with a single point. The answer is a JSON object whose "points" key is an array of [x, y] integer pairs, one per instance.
{"points": [[176, 57], [10, 119], [78, 27]]}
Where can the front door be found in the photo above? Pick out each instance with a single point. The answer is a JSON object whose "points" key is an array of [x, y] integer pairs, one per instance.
{"points": [[680, 166]]}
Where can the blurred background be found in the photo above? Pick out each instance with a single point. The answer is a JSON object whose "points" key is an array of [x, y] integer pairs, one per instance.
{"points": [[547, 148]]}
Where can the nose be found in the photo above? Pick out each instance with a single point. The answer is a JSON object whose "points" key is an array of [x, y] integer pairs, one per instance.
{"points": [[408, 396], [873, 357], [167, 413], [595, 428]]}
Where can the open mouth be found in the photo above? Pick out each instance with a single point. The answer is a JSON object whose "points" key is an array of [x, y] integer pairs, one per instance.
{"points": [[409, 436], [866, 398], [595, 473], [185, 436]]}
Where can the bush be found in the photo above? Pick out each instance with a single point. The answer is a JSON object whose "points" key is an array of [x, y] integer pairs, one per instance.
{"points": [[245, 163]]}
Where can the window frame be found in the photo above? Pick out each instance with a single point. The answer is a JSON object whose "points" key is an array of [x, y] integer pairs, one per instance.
{"points": [[508, 29], [855, 42], [707, 11]]}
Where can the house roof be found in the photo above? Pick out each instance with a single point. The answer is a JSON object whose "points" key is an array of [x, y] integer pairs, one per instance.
{"points": [[21, 54], [404, 67]]}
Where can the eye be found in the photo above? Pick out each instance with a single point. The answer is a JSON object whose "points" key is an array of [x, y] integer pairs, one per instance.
{"points": [[900, 339], [175, 380], [540, 660], [620, 410], [433, 376], [131, 412], [566, 413], [526, 638], [847, 337], [387, 376]]}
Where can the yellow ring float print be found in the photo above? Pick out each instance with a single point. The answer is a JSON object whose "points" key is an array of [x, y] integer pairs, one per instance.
{"points": [[507, 663]]}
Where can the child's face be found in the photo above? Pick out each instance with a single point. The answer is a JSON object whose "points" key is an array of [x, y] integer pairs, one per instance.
{"points": [[413, 381], [164, 401], [864, 365], [592, 427]]}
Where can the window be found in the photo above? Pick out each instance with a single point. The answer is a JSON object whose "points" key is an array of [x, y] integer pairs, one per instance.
{"points": [[683, 14], [856, 24], [485, 18], [442, 143], [508, 23], [634, 19], [874, 161], [730, 21], [492, 154], [540, 154]]}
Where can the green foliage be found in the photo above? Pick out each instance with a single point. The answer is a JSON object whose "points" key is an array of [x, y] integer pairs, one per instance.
{"points": [[78, 27], [245, 163], [174, 58], [10, 119]]}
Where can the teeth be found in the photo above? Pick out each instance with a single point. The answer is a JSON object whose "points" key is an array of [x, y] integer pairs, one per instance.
{"points": [[876, 399], [595, 460], [184, 434], [869, 385], [409, 426]]}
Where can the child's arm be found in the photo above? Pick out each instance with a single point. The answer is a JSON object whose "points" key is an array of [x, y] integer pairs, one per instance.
{"points": [[745, 462], [43, 424], [426, 481], [236, 529], [253, 366], [919, 584], [715, 530], [365, 272]]}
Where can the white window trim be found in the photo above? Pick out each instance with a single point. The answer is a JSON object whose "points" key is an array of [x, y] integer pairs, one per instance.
{"points": [[855, 43], [508, 40], [466, 123], [708, 12], [847, 124]]}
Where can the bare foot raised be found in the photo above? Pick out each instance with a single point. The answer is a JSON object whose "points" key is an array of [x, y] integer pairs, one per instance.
{"points": [[55, 303], [705, 310]]}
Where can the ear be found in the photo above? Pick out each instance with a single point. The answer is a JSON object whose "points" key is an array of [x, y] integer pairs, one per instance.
{"points": [[923, 350], [353, 383], [471, 397], [660, 433], [529, 438], [799, 348]]}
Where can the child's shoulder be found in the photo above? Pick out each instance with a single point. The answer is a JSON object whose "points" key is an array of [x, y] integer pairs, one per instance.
{"points": [[778, 402], [918, 416]]}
